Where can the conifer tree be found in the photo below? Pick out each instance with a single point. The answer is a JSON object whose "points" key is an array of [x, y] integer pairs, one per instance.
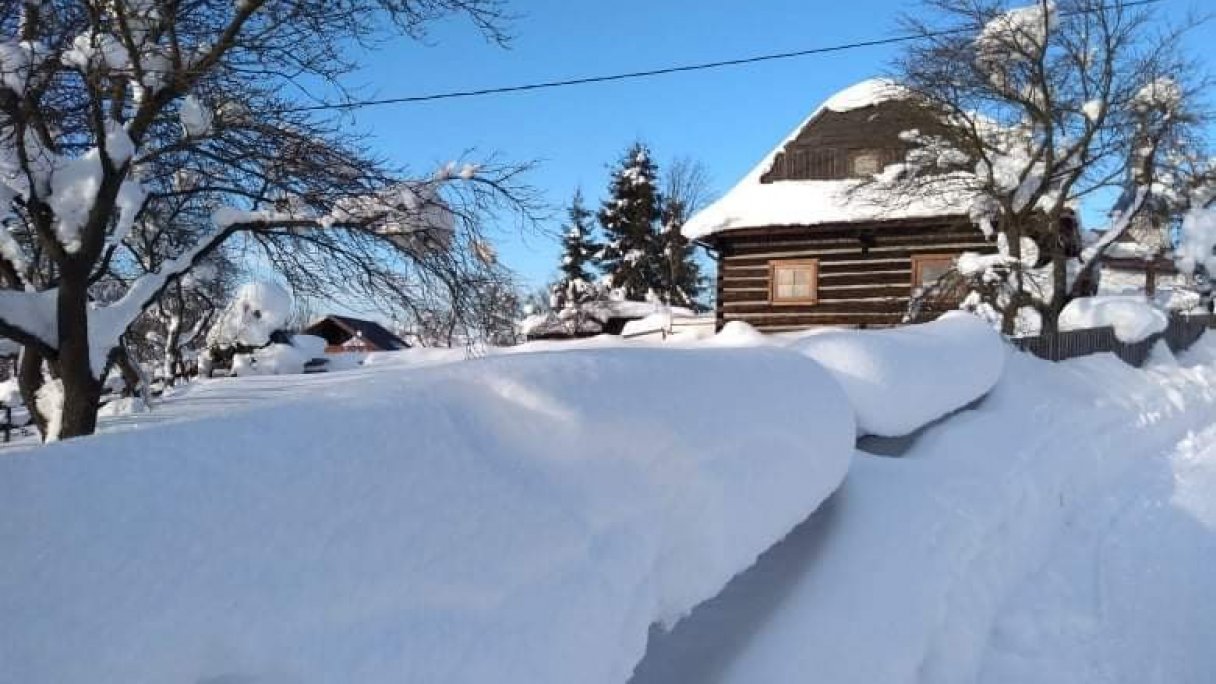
{"points": [[575, 285], [629, 218], [680, 280]]}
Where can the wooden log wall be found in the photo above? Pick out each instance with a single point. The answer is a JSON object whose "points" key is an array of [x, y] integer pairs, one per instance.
{"points": [[865, 271]]}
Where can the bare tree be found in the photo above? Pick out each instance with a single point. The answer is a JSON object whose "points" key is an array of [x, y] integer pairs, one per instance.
{"points": [[686, 190], [1042, 107], [169, 123]]}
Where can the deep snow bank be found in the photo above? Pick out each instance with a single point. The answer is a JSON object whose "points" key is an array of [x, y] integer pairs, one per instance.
{"points": [[514, 519], [901, 379]]}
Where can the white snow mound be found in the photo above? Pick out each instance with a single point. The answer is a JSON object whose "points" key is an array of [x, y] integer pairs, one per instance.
{"points": [[902, 379], [1133, 318], [521, 518]]}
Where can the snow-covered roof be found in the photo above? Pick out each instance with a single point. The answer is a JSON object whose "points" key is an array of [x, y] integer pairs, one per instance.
{"points": [[752, 204]]}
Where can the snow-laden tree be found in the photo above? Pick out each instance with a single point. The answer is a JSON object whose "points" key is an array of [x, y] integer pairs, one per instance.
{"points": [[579, 250], [576, 285], [1041, 107], [124, 116], [630, 217]]}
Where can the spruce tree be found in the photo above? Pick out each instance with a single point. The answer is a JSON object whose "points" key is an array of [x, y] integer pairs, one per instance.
{"points": [[575, 285], [680, 279], [629, 217]]}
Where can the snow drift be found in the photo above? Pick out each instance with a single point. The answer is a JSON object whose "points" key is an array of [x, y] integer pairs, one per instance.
{"points": [[902, 379], [514, 519]]}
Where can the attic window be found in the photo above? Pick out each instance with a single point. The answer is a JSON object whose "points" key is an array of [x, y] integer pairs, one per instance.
{"points": [[793, 281], [863, 163]]}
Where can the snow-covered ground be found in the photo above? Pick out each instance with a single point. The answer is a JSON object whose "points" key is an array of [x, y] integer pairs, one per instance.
{"points": [[1063, 531], [519, 518], [529, 516]]}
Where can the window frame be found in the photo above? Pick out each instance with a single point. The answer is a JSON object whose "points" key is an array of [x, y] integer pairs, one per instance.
{"points": [[811, 264], [918, 261], [877, 154]]}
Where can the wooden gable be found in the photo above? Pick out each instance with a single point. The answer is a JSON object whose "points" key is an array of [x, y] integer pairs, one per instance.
{"points": [[851, 144]]}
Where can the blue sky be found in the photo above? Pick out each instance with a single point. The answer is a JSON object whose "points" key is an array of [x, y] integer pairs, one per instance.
{"points": [[726, 118]]}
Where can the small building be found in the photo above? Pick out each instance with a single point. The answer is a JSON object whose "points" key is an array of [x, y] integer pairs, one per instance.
{"points": [[346, 334], [797, 243], [599, 317]]}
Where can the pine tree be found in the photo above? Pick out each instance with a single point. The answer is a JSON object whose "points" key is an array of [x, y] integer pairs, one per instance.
{"points": [[575, 286], [680, 279], [629, 218]]}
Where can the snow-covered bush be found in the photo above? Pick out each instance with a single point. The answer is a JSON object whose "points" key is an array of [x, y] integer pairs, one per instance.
{"points": [[257, 310], [1133, 318]]}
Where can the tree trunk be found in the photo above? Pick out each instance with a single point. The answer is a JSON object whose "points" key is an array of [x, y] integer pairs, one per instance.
{"points": [[172, 365], [81, 386]]}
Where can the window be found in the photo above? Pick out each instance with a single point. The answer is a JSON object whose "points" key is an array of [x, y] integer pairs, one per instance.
{"points": [[793, 281], [927, 268], [866, 163]]}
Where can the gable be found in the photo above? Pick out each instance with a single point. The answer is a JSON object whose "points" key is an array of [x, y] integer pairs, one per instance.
{"points": [[850, 144]]}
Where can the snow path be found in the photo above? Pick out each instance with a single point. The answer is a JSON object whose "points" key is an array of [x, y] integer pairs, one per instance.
{"points": [[1134, 569], [1055, 533]]}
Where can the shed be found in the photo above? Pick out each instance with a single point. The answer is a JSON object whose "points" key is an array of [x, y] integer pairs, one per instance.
{"points": [[347, 334]]}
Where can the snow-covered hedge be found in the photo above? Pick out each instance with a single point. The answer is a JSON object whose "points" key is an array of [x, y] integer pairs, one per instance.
{"points": [[519, 518], [901, 379], [1133, 317]]}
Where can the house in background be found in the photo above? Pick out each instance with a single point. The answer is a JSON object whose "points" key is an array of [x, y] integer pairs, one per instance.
{"points": [[798, 246], [346, 334], [599, 317]]}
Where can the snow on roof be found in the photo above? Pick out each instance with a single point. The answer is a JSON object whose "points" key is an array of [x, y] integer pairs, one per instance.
{"points": [[752, 204]]}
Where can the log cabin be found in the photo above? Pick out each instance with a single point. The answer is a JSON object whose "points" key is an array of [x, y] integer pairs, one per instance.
{"points": [[797, 246]]}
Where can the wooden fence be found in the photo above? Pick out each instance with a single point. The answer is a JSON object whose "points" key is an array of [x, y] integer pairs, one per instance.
{"points": [[1183, 331]]}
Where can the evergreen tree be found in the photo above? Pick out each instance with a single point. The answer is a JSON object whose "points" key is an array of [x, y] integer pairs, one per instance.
{"points": [[680, 279], [575, 286], [630, 258]]}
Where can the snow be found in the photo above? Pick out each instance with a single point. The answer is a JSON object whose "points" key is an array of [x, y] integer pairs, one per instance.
{"points": [[752, 203], [1133, 318], [1062, 531], [123, 406], [274, 359], [256, 311], [1161, 93], [1197, 241], [1017, 35], [195, 117], [10, 393], [74, 187], [33, 312], [522, 518], [865, 94], [739, 334], [311, 346], [48, 402], [901, 379], [95, 52], [18, 61]]}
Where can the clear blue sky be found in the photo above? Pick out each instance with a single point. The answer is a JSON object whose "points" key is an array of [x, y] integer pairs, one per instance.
{"points": [[726, 118]]}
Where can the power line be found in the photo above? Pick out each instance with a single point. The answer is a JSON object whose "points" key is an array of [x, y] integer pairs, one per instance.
{"points": [[663, 71]]}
